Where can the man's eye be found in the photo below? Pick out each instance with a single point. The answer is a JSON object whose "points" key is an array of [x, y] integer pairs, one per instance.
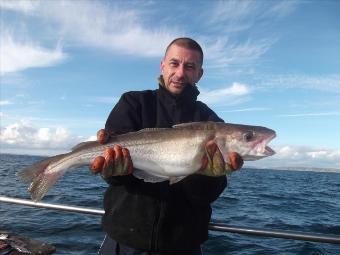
{"points": [[173, 64], [190, 66]]}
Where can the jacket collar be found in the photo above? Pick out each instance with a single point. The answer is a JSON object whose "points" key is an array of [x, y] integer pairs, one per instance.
{"points": [[188, 95]]}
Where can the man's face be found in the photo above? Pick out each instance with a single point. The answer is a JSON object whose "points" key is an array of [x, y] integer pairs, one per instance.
{"points": [[180, 67]]}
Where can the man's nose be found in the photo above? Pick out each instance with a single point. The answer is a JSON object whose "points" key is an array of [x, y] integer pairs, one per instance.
{"points": [[180, 71]]}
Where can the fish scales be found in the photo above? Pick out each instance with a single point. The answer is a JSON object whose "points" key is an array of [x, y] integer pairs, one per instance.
{"points": [[165, 150]]}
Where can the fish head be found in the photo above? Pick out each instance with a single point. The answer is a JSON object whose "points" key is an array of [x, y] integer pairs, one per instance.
{"points": [[250, 142]]}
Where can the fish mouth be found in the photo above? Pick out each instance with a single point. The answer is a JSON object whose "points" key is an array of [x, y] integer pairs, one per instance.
{"points": [[262, 149], [267, 151]]}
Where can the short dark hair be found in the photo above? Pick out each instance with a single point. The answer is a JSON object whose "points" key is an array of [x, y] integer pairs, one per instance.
{"points": [[186, 43]]}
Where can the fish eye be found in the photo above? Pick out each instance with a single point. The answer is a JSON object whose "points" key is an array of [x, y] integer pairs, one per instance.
{"points": [[248, 136]]}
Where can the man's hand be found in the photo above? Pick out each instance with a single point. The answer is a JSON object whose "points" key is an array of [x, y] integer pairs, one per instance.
{"points": [[213, 163], [115, 161], [103, 136], [235, 161]]}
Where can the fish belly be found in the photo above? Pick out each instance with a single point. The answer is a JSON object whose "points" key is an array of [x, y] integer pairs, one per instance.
{"points": [[169, 158]]}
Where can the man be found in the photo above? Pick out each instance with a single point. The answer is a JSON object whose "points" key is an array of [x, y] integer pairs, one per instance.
{"points": [[158, 218]]}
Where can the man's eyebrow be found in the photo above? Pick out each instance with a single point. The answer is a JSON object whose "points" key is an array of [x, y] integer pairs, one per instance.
{"points": [[186, 63], [173, 59]]}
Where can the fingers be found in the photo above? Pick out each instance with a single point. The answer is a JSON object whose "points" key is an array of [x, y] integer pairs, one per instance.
{"points": [[102, 164], [218, 163], [214, 164], [122, 161], [97, 164], [103, 136], [115, 161], [127, 161], [205, 162], [211, 148], [212, 161], [235, 161], [108, 166], [109, 155]]}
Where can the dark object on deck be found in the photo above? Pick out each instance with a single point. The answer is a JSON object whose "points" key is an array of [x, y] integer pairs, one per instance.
{"points": [[11, 244]]}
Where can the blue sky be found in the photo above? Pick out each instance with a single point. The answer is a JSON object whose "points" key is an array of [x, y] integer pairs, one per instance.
{"points": [[64, 64]]}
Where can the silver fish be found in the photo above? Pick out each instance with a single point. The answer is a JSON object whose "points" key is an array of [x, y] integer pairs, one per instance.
{"points": [[159, 154]]}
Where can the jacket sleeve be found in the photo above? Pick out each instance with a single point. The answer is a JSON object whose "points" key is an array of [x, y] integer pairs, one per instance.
{"points": [[207, 114], [123, 118]]}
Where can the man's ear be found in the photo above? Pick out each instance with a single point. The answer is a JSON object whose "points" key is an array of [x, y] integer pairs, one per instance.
{"points": [[161, 67], [200, 74]]}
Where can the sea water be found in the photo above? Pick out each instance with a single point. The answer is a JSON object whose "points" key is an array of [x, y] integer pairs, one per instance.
{"points": [[257, 198]]}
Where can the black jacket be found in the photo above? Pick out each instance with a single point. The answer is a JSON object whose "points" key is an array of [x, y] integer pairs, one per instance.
{"points": [[158, 216]]}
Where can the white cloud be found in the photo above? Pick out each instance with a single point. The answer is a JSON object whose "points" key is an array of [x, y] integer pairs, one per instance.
{"points": [[226, 53], [127, 29], [5, 102], [305, 152], [282, 8], [92, 138], [19, 5], [23, 135], [329, 82], [103, 25], [16, 56], [301, 156], [241, 15], [237, 14], [223, 96], [225, 57]]}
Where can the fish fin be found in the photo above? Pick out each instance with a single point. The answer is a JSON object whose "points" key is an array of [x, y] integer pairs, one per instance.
{"points": [[151, 129], [42, 183], [148, 177], [199, 125], [84, 145], [173, 180], [29, 173]]}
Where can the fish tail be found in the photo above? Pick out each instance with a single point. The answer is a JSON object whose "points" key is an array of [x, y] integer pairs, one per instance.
{"points": [[42, 183], [41, 180]]}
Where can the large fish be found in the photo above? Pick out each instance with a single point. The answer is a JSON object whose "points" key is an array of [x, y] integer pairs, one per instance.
{"points": [[160, 153]]}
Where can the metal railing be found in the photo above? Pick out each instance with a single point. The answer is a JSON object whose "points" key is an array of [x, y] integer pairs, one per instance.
{"points": [[212, 226]]}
